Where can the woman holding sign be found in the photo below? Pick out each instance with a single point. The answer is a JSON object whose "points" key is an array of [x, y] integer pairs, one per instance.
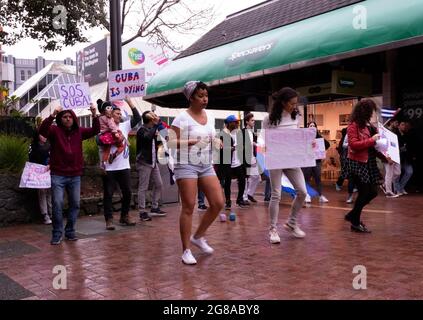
{"points": [[283, 115], [192, 135]]}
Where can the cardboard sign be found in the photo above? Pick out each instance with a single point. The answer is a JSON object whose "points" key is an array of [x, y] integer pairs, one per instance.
{"points": [[35, 176], [319, 149], [392, 146], [126, 83], [289, 148], [74, 95]]}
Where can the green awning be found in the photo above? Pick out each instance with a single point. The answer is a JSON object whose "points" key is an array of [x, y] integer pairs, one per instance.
{"points": [[390, 24]]}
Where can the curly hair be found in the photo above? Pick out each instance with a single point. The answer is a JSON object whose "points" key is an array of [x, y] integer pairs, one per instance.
{"points": [[279, 99], [362, 112]]}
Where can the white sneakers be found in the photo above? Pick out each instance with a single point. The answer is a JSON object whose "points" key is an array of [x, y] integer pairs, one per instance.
{"points": [[294, 230], [188, 258], [350, 199], [323, 199], [202, 244], [47, 219], [274, 236], [307, 198]]}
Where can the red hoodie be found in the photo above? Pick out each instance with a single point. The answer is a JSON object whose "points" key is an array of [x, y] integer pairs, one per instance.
{"points": [[66, 145]]}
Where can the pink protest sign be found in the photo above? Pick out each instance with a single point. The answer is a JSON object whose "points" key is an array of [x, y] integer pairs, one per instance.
{"points": [[35, 176], [126, 83]]}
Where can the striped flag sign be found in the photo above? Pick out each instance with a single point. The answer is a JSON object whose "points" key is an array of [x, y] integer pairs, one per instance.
{"points": [[388, 113]]}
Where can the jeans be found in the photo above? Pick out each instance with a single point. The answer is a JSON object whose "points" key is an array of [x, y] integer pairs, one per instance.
{"points": [[200, 197], [314, 172], [72, 185], [123, 178], [296, 177], [267, 189], [406, 173]]}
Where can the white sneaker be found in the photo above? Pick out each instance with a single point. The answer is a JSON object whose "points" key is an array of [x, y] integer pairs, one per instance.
{"points": [[307, 199], [350, 199], [404, 192], [355, 190], [295, 230], [274, 236], [323, 199], [47, 219], [338, 188], [202, 244], [390, 194], [188, 258]]}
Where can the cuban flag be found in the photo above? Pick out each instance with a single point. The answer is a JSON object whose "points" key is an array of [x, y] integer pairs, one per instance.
{"points": [[389, 112]]}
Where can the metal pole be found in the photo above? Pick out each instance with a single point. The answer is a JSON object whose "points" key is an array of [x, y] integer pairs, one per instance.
{"points": [[115, 36]]}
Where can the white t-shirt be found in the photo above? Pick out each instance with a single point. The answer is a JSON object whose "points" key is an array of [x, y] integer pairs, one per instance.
{"points": [[235, 160], [286, 122], [190, 129], [122, 160]]}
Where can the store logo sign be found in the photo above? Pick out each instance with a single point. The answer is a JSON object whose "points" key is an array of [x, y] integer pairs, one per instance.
{"points": [[136, 56], [253, 53]]}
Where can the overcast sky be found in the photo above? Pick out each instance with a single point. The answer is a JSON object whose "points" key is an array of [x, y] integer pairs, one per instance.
{"points": [[29, 48]]}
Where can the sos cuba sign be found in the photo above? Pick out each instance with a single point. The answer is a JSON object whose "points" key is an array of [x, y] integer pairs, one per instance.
{"points": [[75, 95], [126, 83]]}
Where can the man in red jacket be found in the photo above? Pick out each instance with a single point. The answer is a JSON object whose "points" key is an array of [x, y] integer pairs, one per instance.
{"points": [[66, 164]]}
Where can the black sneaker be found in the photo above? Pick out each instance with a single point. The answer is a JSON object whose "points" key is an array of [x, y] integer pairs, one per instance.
{"points": [[71, 238], [228, 205], [266, 199], [252, 199], [361, 228], [56, 242], [144, 216], [242, 204], [202, 207], [156, 212]]}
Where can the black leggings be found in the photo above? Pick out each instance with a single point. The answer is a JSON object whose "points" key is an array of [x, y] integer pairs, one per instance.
{"points": [[225, 177], [366, 193]]}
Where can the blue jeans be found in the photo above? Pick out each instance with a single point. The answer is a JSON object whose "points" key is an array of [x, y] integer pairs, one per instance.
{"points": [[200, 197], [406, 173], [73, 189]]}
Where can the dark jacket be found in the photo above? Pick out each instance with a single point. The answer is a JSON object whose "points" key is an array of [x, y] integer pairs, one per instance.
{"points": [[246, 152], [145, 138], [403, 143], [66, 157], [39, 153]]}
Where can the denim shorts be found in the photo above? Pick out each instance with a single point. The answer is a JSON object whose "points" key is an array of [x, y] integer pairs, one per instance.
{"points": [[193, 171]]}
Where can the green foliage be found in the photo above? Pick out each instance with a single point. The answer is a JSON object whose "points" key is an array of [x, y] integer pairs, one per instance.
{"points": [[132, 149], [90, 151], [55, 23], [13, 153]]}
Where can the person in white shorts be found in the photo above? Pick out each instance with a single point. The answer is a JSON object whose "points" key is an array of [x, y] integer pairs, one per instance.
{"points": [[192, 137]]}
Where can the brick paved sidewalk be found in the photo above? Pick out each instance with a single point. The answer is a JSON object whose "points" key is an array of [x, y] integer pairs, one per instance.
{"points": [[143, 262]]}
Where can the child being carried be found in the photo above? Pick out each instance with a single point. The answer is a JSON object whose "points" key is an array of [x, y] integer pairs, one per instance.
{"points": [[109, 133]]}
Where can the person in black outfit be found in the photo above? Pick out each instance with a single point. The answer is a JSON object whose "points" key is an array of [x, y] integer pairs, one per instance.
{"points": [[231, 163], [39, 152]]}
